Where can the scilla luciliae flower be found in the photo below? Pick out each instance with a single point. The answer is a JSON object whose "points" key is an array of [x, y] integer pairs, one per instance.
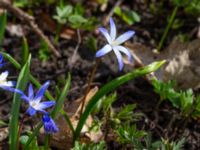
{"points": [[115, 43], [34, 101], [49, 124]]}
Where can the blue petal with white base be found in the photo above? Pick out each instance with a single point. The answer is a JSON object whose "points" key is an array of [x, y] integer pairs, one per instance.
{"points": [[106, 49], [34, 102]]}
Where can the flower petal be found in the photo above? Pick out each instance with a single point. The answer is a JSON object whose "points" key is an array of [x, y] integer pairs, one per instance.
{"points": [[106, 49], [124, 37], [1, 65], [106, 35], [4, 75], [30, 91], [31, 111], [8, 88], [43, 105], [10, 83], [126, 52], [1, 58], [113, 31], [119, 58], [49, 124], [41, 91], [25, 98]]}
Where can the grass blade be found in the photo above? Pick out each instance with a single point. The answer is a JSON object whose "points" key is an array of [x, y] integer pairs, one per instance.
{"points": [[3, 22], [31, 138], [111, 86], [11, 60], [24, 51], [61, 99], [14, 121]]}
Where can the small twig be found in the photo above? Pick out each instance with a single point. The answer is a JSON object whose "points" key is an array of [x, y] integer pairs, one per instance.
{"points": [[30, 21], [74, 56], [89, 85], [106, 20]]}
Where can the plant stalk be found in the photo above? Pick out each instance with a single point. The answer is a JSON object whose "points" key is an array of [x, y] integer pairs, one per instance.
{"points": [[169, 25], [89, 84], [20, 130], [59, 27]]}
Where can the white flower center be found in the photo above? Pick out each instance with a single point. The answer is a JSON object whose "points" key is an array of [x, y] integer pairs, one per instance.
{"points": [[114, 43], [3, 81], [34, 104]]}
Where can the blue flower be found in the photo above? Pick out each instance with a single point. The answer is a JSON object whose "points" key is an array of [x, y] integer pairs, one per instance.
{"points": [[1, 61], [34, 101], [115, 43], [49, 124]]}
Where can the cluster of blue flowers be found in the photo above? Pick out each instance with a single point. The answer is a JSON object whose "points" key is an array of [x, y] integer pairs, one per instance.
{"points": [[33, 100], [35, 105]]}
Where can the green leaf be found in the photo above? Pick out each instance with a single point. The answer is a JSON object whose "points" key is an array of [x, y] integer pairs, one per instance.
{"points": [[2, 123], [63, 12], [14, 120], [24, 51], [91, 146], [3, 22], [186, 100], [44, 52], [118, 11], [11, 60], [105, 103], [110, 87], [128, 134], [77, 20], [33, 135], [79, 10], [34, 144], [126, 113], [21, 3], [129, 16], [61, 99]]}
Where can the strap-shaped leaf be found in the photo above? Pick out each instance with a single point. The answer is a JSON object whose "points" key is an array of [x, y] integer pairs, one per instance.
{"points": [[110, 87], [14, 120]]}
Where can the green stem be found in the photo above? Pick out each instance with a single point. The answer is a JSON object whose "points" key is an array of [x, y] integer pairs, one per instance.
{"points": [[46, 142], [169, 25], [59, 27], [20, 129]]}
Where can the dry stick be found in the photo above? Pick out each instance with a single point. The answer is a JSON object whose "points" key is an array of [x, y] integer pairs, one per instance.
{"points": [[89, 84], [30, 21], [106, 20], [73, 58]]}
